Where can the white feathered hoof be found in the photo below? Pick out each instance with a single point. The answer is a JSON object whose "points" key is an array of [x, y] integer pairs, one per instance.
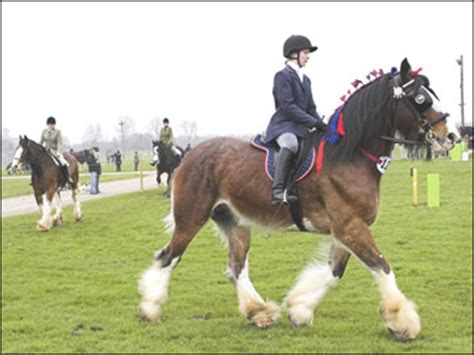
{"points": [[58, 221], [153, 289], [77, 215], [40, 227], [401, 319], [263, 315], [150, 311], [300, 315]]}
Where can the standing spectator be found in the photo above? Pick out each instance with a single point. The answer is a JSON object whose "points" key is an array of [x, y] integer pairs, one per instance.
{"points": [[94, 172], [96, 154], [110, 158], [136, 160], [118, 161]]}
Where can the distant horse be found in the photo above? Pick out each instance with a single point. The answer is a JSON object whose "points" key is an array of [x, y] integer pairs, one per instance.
{"points": [[47, 181], [166, 161], [224, 179], [81, 156]]}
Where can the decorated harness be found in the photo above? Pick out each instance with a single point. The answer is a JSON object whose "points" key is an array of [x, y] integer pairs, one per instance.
{"points": [[418, 101]]}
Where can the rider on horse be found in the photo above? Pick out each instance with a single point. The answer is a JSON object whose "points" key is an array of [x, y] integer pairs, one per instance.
{"points": [[52, 140], [166, 136], [295, 112]]}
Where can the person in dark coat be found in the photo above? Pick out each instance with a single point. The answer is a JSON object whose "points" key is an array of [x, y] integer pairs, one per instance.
{"points": [[94, 171], [295, 114], [118, 161]]}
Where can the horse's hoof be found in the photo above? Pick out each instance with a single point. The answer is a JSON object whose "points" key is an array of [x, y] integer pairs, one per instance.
{"points": [[300, 316], [403, 337], [263, 315], [401, 318], [58, 221], [149, 312], [77, 216], [41, 227]]}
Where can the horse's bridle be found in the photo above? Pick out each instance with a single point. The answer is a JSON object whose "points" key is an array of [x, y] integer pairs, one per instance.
{"points": [[418, 101]]}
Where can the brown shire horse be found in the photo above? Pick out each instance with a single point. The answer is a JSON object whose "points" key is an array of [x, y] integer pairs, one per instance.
{"points": [[223, 179], [47, 181]]}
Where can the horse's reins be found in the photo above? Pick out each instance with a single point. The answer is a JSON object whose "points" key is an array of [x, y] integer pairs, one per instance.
{"points": [[400, 95]]}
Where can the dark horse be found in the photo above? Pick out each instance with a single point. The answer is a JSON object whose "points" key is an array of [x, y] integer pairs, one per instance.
{"points": [[166, 161], [47, 181], [81, 156], [224, 179]]}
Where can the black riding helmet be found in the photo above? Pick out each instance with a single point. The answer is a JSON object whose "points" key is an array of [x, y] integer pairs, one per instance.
{"points": [[166, 120], [295, 44], [51, 120]]}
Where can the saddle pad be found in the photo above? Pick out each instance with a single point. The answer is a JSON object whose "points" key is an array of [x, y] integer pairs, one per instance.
{"points": [[270, 153]]}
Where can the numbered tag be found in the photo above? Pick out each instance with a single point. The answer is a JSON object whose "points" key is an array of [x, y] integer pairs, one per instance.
{"points": [[382, 166]]}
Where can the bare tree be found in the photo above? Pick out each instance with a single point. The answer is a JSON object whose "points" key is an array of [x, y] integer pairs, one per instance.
{"points": [[8, 142], [93, 134], [154, 126], [126, 126], [190, 130]]}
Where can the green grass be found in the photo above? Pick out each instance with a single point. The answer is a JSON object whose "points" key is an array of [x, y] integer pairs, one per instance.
{"points": [[73, 289], [127, 165], [20, 187]]}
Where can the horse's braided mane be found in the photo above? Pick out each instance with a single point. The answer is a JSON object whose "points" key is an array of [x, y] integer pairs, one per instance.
{"points": [[365, 116]]}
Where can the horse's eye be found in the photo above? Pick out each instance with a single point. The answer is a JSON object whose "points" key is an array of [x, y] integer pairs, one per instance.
{"points": [[420, 99]]}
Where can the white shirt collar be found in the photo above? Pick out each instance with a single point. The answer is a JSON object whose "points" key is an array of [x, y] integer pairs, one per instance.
{"points": [[296, 67]]}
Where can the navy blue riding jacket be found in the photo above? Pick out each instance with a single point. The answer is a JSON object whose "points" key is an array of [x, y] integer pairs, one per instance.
{"points": [[295, 107]]}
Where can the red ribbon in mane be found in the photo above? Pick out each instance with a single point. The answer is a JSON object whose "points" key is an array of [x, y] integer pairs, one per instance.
{"points": [[320, 157]]}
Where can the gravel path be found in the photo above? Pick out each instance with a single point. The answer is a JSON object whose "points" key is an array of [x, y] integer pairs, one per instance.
{"points": [[25, 204]]}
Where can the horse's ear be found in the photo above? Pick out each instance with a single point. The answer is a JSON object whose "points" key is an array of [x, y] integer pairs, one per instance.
{"points": [[405, 69], [23, 140], [26, 138]]}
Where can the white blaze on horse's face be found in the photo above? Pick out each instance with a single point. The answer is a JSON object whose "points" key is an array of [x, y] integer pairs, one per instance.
{"points": [[16, 159], [156, 155]]}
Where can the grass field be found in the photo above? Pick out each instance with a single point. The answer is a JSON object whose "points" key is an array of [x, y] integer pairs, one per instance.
{"points": [[73, 289], [19, 187], [108, 168]]}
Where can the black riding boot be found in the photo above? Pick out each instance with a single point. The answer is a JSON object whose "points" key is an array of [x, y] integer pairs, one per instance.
{"points": [[65, 173], [279, 192]]}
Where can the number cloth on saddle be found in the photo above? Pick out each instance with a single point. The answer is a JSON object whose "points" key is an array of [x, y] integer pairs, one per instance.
{"points": [[270, 154]]}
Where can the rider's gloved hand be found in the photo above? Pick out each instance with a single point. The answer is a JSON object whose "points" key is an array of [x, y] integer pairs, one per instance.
{"points": [[320, 126]]}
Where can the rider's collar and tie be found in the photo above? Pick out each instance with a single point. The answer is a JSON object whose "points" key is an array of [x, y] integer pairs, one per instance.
{"points": [[298, 70]]}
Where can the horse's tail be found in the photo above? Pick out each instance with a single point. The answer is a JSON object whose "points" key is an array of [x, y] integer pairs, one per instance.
{"points": [[73, 169]]}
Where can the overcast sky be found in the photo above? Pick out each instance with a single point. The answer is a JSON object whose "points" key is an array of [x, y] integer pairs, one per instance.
{"points": [[213, 63]]}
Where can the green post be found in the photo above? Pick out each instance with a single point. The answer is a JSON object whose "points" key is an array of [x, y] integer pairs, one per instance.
{"points": [[433, 190], [456, 153]]}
